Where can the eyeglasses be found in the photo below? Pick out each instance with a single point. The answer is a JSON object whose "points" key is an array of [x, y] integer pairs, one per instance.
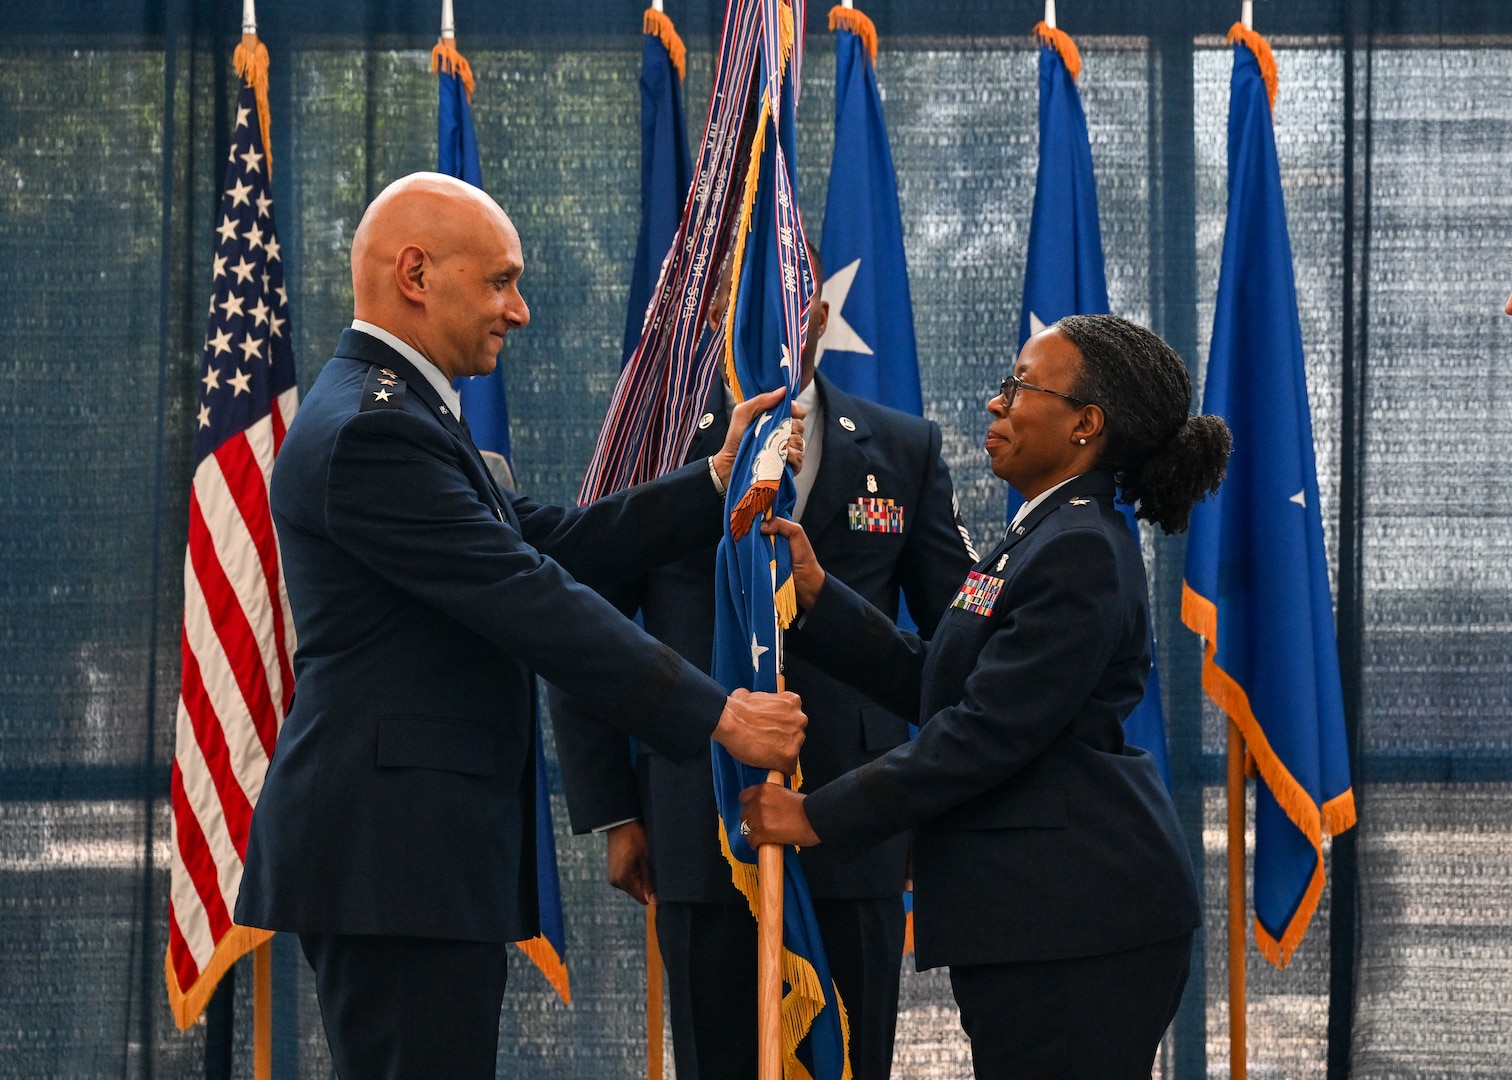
{"points": [[1013, 384]]}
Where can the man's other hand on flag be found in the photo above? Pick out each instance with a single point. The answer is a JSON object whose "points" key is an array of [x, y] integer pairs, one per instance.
{"points": [[741, 418], [763, 730]]}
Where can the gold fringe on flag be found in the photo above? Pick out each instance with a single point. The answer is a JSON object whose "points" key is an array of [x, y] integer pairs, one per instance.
{"points": [[445, 57], [805, 997], [1262, 50], [251, 62], [1061, 42], [747, 205], [844, 18], [1335, 816], [658, 25], [187, 1002]]}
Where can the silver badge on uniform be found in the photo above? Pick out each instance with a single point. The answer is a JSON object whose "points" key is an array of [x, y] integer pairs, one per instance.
{"points": [[847, 423], [871, 483], [1001, 563], [705, 421]]}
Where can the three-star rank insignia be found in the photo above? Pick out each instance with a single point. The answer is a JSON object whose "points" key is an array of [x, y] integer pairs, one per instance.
{"points": [[875, 515], [383, 390]]}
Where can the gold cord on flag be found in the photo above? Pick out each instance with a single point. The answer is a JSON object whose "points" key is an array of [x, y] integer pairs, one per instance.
{"points": [[251, 61], [844, 18], [1061, 42], [1262, 50], [658, 25], [445, 57]]}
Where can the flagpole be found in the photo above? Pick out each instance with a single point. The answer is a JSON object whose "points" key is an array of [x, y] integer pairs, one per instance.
{"points": [[262, 955], [1050, 14], [448, 22], [1237, 937], [769, 942], [654, 981]]}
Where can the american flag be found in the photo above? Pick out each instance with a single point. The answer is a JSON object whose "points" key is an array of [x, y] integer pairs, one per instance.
{"points": [[238, 634]]}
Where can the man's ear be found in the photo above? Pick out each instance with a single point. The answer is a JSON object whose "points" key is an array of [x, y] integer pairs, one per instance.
{"points": [[823, 316], [410, 269]]}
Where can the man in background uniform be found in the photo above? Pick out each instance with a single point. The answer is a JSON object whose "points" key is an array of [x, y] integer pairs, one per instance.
{"points": [[875, 497]]}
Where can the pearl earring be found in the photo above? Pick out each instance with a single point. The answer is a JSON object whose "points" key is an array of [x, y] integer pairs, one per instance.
{"points": [[1082, 441]]}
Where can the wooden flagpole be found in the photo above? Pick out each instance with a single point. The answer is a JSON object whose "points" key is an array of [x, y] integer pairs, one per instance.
{"points": [[769, 954], [654, 982], [1238, 939], [769, 941], [262, 955]]}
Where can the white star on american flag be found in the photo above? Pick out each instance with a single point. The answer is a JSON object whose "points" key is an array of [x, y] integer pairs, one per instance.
{"points": [[251, 348], [239, 194], [242, 381], [243, 271]]}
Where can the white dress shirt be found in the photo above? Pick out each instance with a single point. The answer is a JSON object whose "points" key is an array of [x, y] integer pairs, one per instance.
{"points": [[1025, 510]]}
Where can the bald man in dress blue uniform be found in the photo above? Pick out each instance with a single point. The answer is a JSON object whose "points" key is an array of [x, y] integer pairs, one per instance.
{"points": [[395, 830]]}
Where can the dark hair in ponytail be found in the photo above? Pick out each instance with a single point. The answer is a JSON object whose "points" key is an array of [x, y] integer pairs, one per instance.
{"points": [[1164, 461]]}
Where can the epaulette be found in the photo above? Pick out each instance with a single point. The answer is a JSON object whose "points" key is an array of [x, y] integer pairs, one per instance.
{"points": [[383, 390], [1081, 500]]}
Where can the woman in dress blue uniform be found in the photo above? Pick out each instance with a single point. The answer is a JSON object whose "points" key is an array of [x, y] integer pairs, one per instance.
{"points": [[1050, 872]]}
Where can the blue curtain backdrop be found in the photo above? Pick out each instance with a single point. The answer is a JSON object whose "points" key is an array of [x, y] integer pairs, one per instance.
{"points": [[1394, 129]]}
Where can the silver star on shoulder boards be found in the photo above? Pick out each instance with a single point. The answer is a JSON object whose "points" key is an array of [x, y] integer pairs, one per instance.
{"points": [[381, 395], [756, 650], [227, 230], [243, 271], [231, 305], [1080, 502], [242, 381], [204, 416], [252, 159], [221, 342], [839, 335], [239, 192]]}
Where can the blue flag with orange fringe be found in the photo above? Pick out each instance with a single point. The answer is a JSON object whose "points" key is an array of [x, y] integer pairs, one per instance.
{"points": [[487, 411], [1256, 571], [1065, 276], [772, 288], [666, 168]]}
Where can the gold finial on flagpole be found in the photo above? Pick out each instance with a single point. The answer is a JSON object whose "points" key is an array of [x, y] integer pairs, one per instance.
{"points": [[1050, 14]]}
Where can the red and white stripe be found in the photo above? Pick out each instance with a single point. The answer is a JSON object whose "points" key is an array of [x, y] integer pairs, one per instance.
{"points": [[238, 681]]}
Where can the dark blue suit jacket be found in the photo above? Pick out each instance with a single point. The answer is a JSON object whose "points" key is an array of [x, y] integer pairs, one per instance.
{"points": [[1037, 834], [401, 796], [882, 454]]}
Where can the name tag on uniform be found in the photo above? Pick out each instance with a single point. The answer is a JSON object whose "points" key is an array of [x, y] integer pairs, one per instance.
{"points": [[978, 594], [876, 515]]}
